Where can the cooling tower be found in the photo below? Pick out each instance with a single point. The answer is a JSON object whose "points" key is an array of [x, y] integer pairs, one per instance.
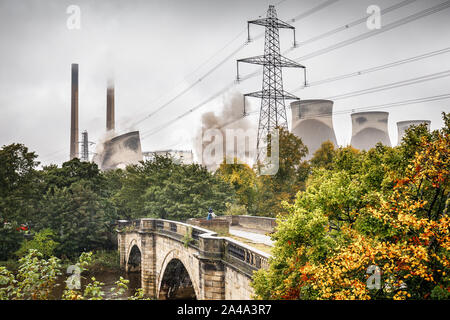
{"points": [[403, 125], [74, 113], [312, 122], [110, 112], [369, 128], [121, 151]]}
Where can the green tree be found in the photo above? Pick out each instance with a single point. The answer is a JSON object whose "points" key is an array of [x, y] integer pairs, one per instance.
{"points": [[78, 217], [10, 239], [18, 182], [42, 241], [289, 179], [243, 180], [18, 194], [323, 157], [164, 189], [70, 172]]}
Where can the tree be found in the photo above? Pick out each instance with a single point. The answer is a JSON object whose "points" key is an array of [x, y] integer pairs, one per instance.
{"points": [[163, 189], [289, 179], [243, 180], [78, 216], [18, 195], [70, 172], [402, 228], [188, 193], [42, 241], [18, 182], [323, 157]]}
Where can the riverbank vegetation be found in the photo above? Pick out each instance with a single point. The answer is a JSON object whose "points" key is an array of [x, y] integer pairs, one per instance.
{"points": [[37, 278]]}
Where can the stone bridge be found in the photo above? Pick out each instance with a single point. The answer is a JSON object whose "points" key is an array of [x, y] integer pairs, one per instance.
{"points": [[182, 261]]}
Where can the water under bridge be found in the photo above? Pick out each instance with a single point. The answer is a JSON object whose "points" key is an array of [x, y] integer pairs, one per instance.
{"points": [[186, 261]]}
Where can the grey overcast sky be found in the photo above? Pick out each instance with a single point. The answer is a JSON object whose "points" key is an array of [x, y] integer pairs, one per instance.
{"points": [[154, 49]]}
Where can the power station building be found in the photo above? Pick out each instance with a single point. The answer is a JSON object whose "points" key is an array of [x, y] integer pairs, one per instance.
{"points": [[121, 150], [369, 128], [402, 126], [117, 151], [312, 122]]}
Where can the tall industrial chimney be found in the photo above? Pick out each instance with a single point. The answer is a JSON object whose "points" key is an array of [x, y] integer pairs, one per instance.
{"points": [[74, 113], [403, 125], [369, 128], [312, 122], [110, 106]]}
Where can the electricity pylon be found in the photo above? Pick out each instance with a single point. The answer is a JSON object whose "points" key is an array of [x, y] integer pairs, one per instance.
{"points": [[273, 110]]}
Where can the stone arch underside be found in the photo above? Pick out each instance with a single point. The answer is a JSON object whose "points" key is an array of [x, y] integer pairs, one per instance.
{"points": [[134, 255], [134, 259], [176, 283], [176, 278]]}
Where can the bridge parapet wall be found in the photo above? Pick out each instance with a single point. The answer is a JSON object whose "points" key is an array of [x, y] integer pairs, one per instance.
{"points": [[263, 224]]}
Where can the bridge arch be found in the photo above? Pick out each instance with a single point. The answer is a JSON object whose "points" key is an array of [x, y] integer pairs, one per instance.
{"points": [[134, 259], [133, 256], [175, 273]]}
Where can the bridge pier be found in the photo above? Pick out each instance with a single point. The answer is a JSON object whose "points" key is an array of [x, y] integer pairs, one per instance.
{"points": [[212, 270], [148, 265], [122, 246]]}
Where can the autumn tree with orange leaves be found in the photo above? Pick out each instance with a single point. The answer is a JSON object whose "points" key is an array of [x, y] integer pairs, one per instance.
{"points": [[390, 213]]}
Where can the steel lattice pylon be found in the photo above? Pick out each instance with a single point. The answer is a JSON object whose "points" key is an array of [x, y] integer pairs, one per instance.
{"points": [[273, 109]]}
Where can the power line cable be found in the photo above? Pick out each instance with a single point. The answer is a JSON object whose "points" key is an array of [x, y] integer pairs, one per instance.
{"points": [[374, 69], [214, 68], [375, 32], [393, 85], [379, 106], [349, 25], [366, 35]]}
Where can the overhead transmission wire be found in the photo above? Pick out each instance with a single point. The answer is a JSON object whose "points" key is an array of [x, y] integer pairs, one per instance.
{"points": [[398, 84], [348, 25], [383, 106], [229, 56], [366, 35], [359, 109], [374, 69], [192, 85], [375, 32]]}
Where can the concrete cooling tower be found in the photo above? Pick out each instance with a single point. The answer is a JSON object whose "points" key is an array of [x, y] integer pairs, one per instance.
{"points": [[312, 122], [369, 128], [121, 151], [403, 125]]}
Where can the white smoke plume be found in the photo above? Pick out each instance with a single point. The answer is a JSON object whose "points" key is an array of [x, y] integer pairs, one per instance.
{"points": [[230, 117]]}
